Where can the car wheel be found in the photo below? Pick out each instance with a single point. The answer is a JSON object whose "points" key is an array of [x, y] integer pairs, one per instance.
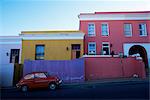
{"points": [[52, 86], [24, 88]]}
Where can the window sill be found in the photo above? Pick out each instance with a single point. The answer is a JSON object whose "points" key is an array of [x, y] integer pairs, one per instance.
{"points": [[128, 36], [105, 36], [143, 35], [91, 35]]}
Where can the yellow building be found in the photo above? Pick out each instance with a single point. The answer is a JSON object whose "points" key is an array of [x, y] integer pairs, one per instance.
{"points": [[51, 45]]}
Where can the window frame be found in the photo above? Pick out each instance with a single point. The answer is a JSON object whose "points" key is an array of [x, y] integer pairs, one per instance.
{"points": [[126, 35], [90, 49], [107, 30], [106, 46], [94, 33], [39, 53], [145, 30]]}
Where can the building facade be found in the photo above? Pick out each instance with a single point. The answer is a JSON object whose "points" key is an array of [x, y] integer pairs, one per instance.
{"points": [[110, 33], [10, 53], [51, 45], [11, 49]]}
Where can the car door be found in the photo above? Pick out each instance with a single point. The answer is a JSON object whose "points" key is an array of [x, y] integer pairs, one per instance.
{"points": [[40, 80], [29, 80]]}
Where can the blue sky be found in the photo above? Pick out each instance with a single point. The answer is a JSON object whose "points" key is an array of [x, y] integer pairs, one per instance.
{"points": [[28, 15]]}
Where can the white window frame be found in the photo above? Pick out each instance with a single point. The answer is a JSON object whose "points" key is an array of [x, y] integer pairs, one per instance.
{"points": [[145, 29], [106, 46], [90, 49], [130, 30], [94, 34], [107, 30]]}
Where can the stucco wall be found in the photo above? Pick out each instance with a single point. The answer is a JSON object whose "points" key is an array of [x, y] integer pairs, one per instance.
{"points": [[54, 49], [112, 67], [6, 48], [116, 34], [6, 44], [6, 74]]}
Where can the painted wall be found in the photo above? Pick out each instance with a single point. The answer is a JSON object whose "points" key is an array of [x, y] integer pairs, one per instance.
{"points": [[116, 34], [6, 74], [6, 68], [6, 44], [67, 70], [54, 49], [108, 67], [6, 48]]}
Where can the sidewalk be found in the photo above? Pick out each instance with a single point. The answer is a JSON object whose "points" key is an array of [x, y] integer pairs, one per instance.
{"points": [[101, 81]]}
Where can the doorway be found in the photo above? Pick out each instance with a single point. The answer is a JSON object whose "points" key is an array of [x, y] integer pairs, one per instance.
{"points": [[14, 56], [75, 51], [141, 50]]}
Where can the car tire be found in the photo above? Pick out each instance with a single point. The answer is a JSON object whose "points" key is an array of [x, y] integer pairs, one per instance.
{"points": [[24, 88], [52, 86]]}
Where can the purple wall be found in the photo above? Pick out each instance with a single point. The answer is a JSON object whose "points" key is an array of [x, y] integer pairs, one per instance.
{"points": [[67, 70]]}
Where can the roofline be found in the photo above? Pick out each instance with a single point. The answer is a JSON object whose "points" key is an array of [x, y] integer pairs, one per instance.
{"points": [[52, 31], [119, 12]]}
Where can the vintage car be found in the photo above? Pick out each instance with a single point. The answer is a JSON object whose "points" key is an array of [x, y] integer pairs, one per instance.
{"points": [[38, 80]]}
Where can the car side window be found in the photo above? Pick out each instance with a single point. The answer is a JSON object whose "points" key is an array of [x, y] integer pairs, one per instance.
{"points": [[29, 76], [40, 75]]}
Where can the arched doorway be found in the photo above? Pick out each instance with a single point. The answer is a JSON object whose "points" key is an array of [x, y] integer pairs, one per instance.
{"points": [[141, 50]]}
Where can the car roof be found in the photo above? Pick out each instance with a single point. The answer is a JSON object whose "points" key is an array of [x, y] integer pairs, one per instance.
{"points": [[36, 72]]}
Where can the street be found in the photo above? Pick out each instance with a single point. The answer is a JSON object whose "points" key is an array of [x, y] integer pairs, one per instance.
{"points": [[123, 90]]}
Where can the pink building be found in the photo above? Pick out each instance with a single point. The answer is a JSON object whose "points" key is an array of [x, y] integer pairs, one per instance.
{"points": [[108, 33]]}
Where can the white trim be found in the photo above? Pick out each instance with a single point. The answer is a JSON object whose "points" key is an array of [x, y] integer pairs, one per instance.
{"points": [[19, 42], [55, 36], [10, 40], [140, 16]]}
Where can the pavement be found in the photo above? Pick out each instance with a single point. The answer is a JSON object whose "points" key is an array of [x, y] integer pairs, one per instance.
{"points": [[101, 81], [104, 81]]}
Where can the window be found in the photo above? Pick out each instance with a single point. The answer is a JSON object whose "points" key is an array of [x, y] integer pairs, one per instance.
{"points": [[91, 30], [40, 75], [14, 56], [104, 29], [127, 29], [29, 76], [39, 52], [142, 29], [105, 48], [91, 48]]}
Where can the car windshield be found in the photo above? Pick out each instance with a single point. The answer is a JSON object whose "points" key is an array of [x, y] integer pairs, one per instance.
{"points": [[47, 74]]}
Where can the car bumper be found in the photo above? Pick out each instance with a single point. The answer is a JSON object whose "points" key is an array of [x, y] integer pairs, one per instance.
{"points": [[18, 86], [59, 82]]}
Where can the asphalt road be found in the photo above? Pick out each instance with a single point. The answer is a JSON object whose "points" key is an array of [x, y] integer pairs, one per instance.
{"points": [[125, 90]]}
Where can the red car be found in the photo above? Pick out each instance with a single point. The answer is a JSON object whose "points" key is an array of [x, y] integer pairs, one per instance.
{"points": [[38, 80]]}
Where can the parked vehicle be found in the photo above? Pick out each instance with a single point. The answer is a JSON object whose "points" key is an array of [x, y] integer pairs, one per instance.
{"points": [[38, 80]]}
